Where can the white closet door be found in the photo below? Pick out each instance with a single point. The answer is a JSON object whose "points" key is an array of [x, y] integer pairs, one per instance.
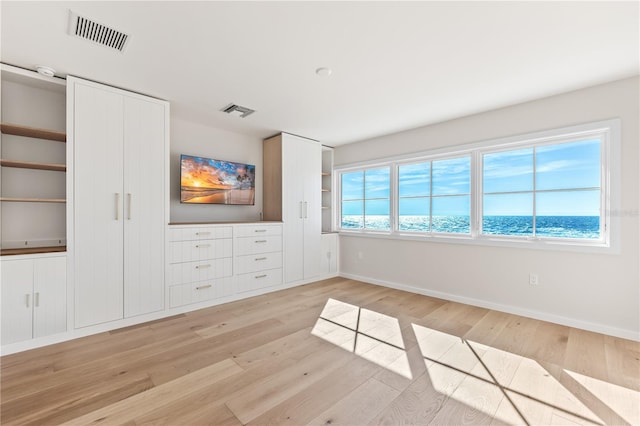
{"points": [[311, 156], [17, 300], [98, 204], [144, 216], [49, 296], [293, 176]]}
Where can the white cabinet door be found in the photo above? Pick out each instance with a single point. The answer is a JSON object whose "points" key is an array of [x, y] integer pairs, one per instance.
{"points": [[311, 166], [98, 204], [144, 201], [49, 296], [293, 177], [301, 182], [17, 300]]}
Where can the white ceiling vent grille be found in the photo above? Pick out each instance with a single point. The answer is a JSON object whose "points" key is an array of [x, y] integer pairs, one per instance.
{"points": [[87, 29], [237, 110]]}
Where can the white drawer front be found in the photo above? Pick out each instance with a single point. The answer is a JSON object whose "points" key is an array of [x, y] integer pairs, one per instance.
{"points": [[258, 280], [188, 272], [258, 230], [259, 262], [255, 245], [200, 233], [186, 251], [185, 294]]}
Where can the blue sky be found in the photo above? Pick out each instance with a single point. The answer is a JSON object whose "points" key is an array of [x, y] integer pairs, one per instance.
{"points": [[508, 181]]}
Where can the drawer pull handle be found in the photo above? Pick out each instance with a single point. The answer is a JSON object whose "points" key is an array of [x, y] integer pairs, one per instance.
{"points": [[203, 245], [260, 258], [261, 241], [202, 287], [260, 230], [203, 266], [203, 233], [261, 276]]}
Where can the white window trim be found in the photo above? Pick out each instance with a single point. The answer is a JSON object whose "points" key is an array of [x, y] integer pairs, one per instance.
{"points": [[608, 130]]}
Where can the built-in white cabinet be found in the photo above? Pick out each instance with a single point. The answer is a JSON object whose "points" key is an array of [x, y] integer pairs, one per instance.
{"points": [[119, 152], [200, 264], [292, 194], [259, 256], [33, 297], [329, 255], [216, 261]]}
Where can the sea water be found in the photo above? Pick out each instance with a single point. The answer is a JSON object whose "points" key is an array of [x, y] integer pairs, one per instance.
{"points": [[585, 227]]}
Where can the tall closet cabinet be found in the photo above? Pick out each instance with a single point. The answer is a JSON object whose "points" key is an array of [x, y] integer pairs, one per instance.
{"points": [[292, 194], [118, 149]]}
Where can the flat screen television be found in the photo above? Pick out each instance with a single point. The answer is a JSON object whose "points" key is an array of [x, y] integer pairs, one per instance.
{"points": [[210, 181]]}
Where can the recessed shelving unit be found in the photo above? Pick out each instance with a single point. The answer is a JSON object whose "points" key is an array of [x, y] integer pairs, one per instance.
{"points": [[327, 166], [32, 161]]}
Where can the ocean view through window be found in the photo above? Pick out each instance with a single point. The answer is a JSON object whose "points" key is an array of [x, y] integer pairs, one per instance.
{"points": [[551, 187]]}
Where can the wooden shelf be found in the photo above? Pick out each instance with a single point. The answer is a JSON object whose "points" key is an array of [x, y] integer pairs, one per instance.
{"points": [[326, 190], [32, 132], [326, 174], [33, 200], [32, 250], [36, 166]]}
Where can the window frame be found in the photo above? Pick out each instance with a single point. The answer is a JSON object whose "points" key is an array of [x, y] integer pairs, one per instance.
{"points": [[364, 199], [608, 132]]}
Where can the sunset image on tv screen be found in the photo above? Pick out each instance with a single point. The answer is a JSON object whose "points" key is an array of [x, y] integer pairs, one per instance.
{"points": [[209, 181]]}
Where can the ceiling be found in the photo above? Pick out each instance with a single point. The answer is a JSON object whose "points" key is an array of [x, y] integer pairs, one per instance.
{"points": [[395, 65]]}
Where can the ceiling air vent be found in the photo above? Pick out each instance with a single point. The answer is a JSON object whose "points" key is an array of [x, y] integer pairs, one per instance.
{"points": [[87, 29], [237, 110]]}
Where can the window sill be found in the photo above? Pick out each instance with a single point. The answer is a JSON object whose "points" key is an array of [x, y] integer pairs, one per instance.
{"points": [[490, 241]]}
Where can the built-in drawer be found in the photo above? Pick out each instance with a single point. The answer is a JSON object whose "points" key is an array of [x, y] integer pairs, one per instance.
{"points": [[185, 294], [258, 280], [186, 251], [259, 244], [188, 272], [259, 262], [200, 233], [258, 230]]}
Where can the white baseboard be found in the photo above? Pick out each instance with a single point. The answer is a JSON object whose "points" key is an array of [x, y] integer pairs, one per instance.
{"points": [[543, 316]]}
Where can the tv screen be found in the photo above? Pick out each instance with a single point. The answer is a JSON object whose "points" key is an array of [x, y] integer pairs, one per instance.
{"points": [[209, 181]]}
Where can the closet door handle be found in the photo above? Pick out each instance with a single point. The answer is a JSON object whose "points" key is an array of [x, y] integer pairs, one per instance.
{"points": [[128, 206], [306, 210], [27, 299], [301, 210], [36, 299], [117, 206]]}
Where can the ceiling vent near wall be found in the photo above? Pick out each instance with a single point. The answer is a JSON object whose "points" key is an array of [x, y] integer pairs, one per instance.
{"points": [[237, 110], [87, 29]]}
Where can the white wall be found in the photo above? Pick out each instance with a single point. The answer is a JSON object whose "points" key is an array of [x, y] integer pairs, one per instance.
{"points": [[204, 141], [600, 292]]}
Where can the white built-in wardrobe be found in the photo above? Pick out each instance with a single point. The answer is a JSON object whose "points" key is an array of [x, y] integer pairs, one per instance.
{"points": [[118, 149]]}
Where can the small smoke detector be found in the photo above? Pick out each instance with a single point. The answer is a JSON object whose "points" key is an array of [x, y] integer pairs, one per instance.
{"points": [[87, 29], [237, 110]]}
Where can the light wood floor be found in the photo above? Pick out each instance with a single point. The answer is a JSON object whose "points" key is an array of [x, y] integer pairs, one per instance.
{"points": [[294, 357]]}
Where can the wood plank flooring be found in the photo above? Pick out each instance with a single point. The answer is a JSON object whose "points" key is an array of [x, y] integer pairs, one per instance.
{"points": [[335, 352]]}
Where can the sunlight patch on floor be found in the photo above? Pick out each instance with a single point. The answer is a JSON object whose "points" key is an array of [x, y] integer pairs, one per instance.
{"points": [[371, 335], [625, 402]]}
